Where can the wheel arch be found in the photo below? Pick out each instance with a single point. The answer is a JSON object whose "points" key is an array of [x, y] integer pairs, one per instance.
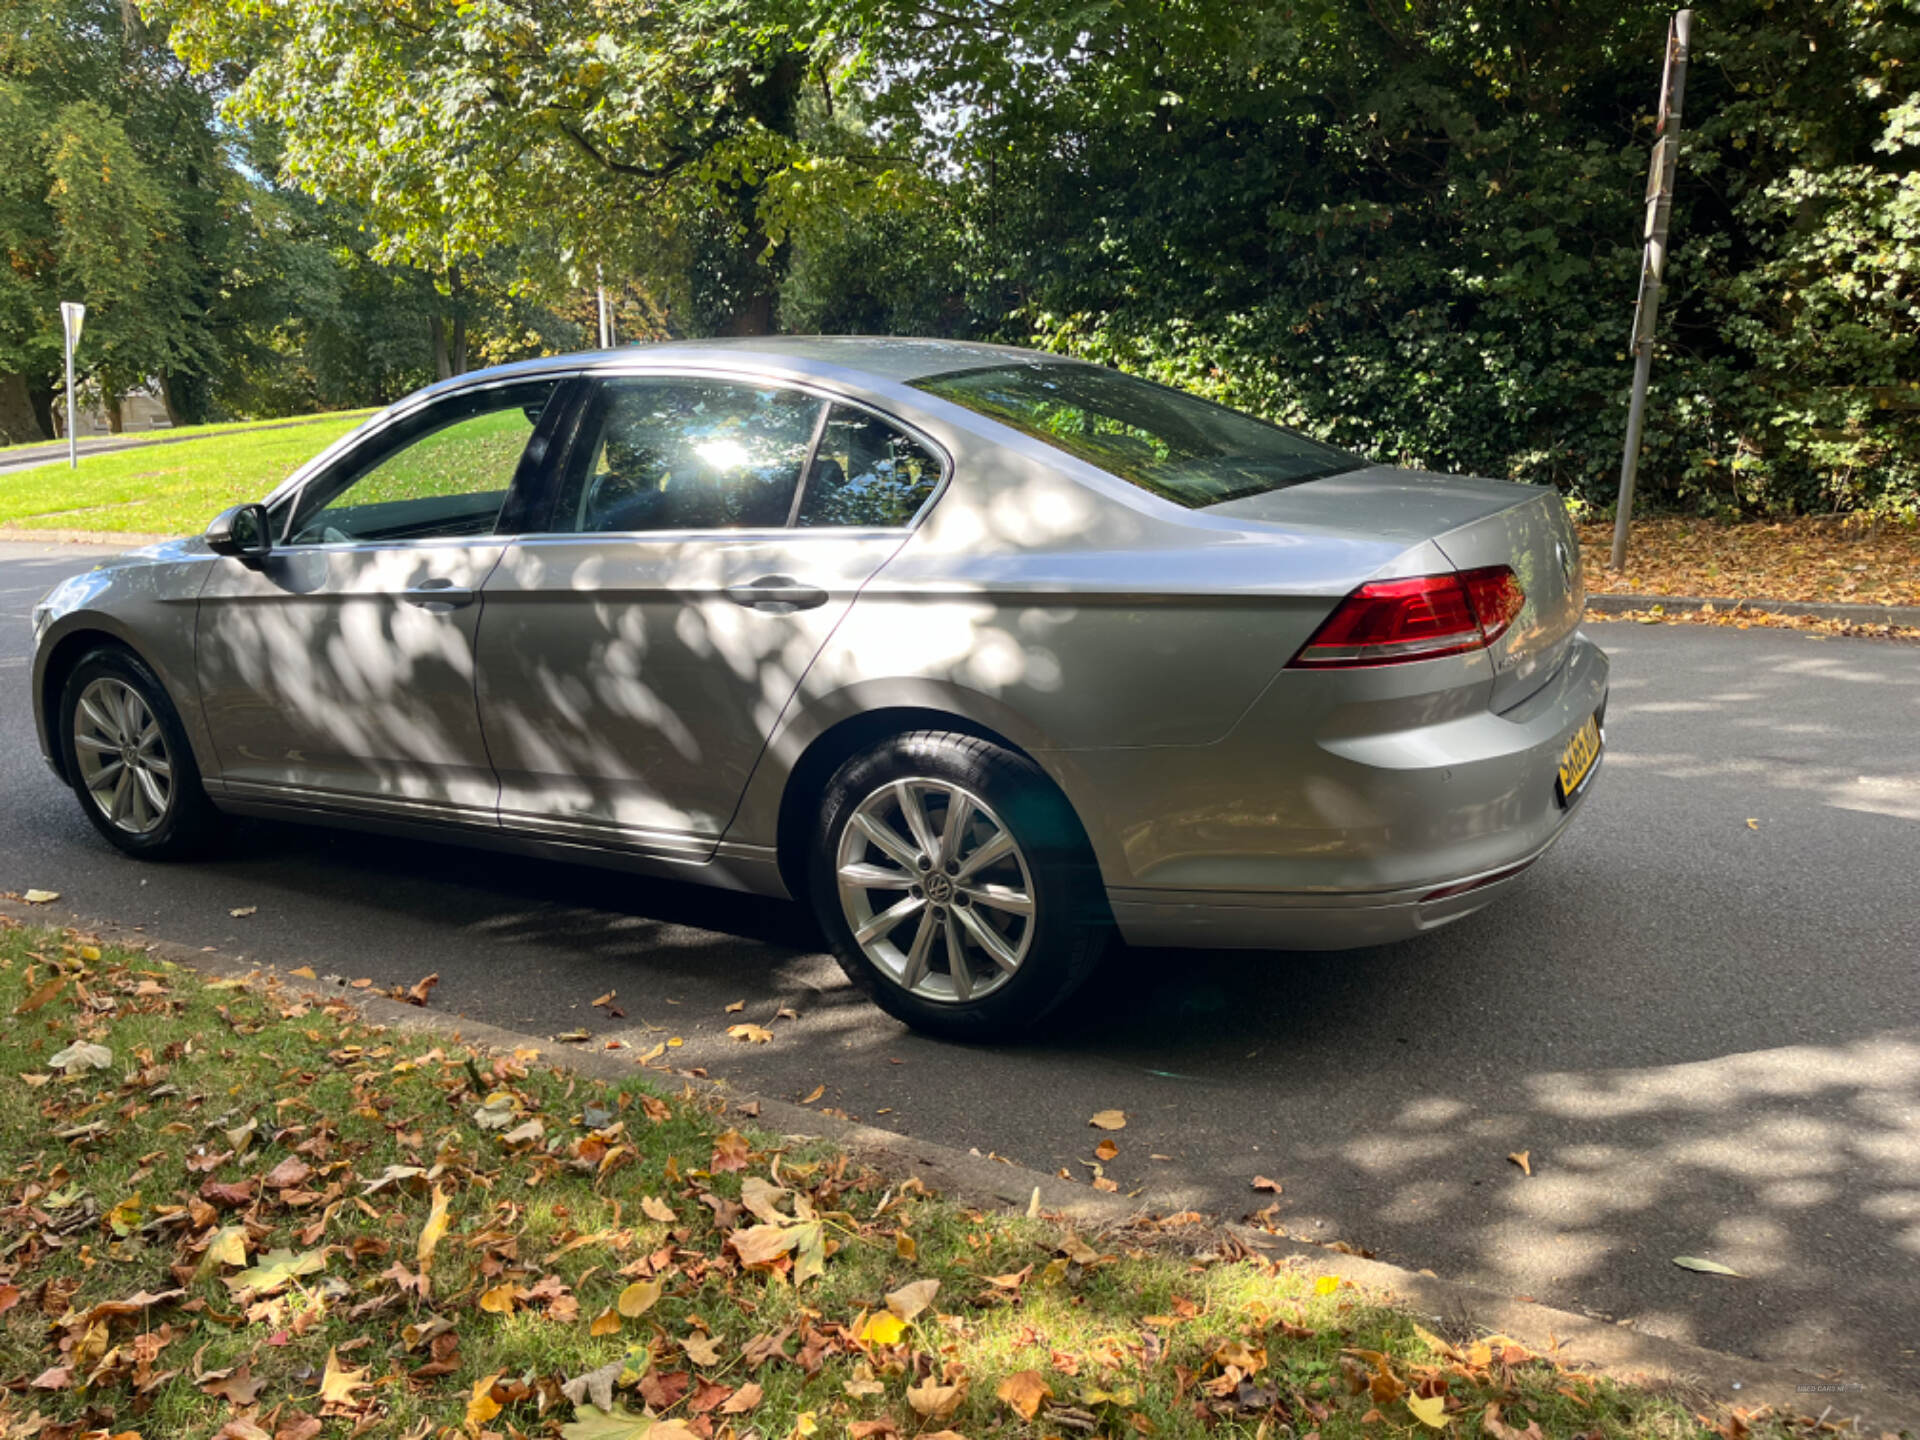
{"points": [[806, 780], [62, 658]]}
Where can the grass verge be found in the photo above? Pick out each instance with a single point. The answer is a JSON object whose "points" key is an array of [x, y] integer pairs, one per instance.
{"points": [[243, 1212], [172, 489]]}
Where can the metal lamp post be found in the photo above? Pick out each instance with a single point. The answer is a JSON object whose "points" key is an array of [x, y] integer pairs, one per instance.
{"points": [[71, 314]]}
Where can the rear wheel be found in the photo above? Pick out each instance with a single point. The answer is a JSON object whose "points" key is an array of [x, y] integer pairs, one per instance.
{"points": [[955, 886], [129, 761]]}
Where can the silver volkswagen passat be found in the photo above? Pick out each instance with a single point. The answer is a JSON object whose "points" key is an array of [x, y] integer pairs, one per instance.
{"points": [[985, 654]]}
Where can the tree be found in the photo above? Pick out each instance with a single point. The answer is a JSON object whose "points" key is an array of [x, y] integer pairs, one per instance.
{"points": [[666, 142]]}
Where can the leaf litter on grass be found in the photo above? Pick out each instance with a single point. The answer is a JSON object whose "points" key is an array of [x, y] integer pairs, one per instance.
{"points": [[377, 1254]]}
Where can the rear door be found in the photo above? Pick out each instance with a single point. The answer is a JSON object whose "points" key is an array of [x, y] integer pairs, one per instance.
{"points": [[339, 670], [705, 535]]}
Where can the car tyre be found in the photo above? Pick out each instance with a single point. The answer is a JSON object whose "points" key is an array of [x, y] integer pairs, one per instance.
{"points": [[128, 759], [994, 866]]}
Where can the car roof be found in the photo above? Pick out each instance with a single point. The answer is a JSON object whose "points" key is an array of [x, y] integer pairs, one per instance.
{"points": [[891, 358]]}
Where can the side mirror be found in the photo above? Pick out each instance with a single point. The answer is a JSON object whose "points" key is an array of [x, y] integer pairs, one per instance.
{"points": [[243, 532]]}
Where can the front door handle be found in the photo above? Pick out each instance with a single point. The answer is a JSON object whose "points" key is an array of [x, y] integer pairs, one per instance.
{"points": [[777, 595], [438, 597]]}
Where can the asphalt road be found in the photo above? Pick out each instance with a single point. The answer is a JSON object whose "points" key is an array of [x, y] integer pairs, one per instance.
{"points": [[1700, 1016]]}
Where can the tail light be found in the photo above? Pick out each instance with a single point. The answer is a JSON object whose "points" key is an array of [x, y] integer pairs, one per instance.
{"points": [[1386, 622]]}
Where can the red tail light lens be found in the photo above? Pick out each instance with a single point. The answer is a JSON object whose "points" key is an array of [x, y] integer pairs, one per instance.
{"points": [[1386, 622]]}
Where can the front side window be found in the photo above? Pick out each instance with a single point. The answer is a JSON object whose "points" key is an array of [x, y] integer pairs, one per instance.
{"points": [[1175, 445], [866, 473], [443, 472], [680, 453]]}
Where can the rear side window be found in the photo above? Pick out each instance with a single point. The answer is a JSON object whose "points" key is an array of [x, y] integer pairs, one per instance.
{"points": [[1175, 445], [680, 453], [866, 473]]}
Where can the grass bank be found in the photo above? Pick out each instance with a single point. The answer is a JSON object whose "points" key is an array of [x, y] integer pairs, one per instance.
{"points": [[244, 1213], [168, 489]]}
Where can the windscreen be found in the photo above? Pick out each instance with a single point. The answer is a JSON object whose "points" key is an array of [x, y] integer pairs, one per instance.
{"points": [[1177, 446]]}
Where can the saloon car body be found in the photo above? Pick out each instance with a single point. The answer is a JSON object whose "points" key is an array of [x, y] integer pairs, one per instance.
{"points": [[674, 700]]}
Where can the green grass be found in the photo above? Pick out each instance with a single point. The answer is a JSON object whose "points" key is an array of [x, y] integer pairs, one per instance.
{"points": [[106, 1192], [194, 432], [163, 489]]}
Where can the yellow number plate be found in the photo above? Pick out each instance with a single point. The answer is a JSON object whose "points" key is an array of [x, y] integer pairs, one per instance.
{"points": [[1576, 761]]}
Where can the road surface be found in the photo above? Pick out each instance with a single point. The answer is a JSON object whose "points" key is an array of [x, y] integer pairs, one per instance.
{"points": [[1700, 1016]]}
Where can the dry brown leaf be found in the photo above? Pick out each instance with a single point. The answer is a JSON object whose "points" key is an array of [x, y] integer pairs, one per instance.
{"points": [[1261, 1182], [1524, 1159], [339, 1385], [933, 1401], [1105, 1150], [751, 1034], [1109, 1120], [655, 1208], [743, 1400], [1024, 1392], [910, 1299], [434, 1230]]}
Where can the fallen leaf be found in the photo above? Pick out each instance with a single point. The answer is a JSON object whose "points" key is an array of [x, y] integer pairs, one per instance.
{"points": [[655, 1208], [240, 912], [434, 1230], [596, 1385], [1753, 824], [736, 1007], [41, 897], [1024, 1392], [42, 997], [752, 1034], [744, 1399], [1706, 1267], [1105, 1150], [304, 972], [639, 1297], [933, 1401], [701, 1349], [289, 1174], [1261, 1182], [337, 1385], [296, 1426], [1109, 1120], [620, 1424], [481, 1406], [814, 1094], [81, 1055], [1429, 1410], [9, 1297], [607, 1322], [910, 1299], [238, 1386], [1491, 1422], [1524, 1159], [499, 1301], [882, 1328], [730, 1151], [277, 1270], [417, 992]]}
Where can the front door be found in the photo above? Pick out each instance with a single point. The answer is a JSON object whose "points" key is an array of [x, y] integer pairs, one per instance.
{"points": [[340, 669], [634, 658]]}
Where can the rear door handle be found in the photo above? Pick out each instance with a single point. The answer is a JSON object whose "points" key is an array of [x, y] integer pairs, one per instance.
{"points": [[438, 597], [777, 595]]}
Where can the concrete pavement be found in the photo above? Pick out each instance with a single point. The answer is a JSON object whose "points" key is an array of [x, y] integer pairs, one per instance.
{"points": [[1705, 1033]]}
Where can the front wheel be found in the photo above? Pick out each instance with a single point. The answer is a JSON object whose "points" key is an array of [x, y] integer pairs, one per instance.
{"points": [[129, 761], [955, 885]]}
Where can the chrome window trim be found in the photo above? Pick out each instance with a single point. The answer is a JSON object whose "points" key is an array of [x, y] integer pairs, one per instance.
{"points": [[814, 388]]}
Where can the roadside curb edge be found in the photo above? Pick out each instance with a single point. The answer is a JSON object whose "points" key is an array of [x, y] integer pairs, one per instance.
{"points": [[1699, 1376], [1902, 615]]}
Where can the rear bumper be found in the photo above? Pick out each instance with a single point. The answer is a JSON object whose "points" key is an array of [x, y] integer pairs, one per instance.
{"points": [[1388, 817], [1280, 921]]}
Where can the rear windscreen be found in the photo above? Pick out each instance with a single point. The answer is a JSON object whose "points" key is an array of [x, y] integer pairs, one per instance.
{"points": [[1177, 446]]}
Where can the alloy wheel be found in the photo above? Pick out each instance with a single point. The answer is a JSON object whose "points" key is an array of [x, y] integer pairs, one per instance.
{"points": [[936, 890], [124, 763]]}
